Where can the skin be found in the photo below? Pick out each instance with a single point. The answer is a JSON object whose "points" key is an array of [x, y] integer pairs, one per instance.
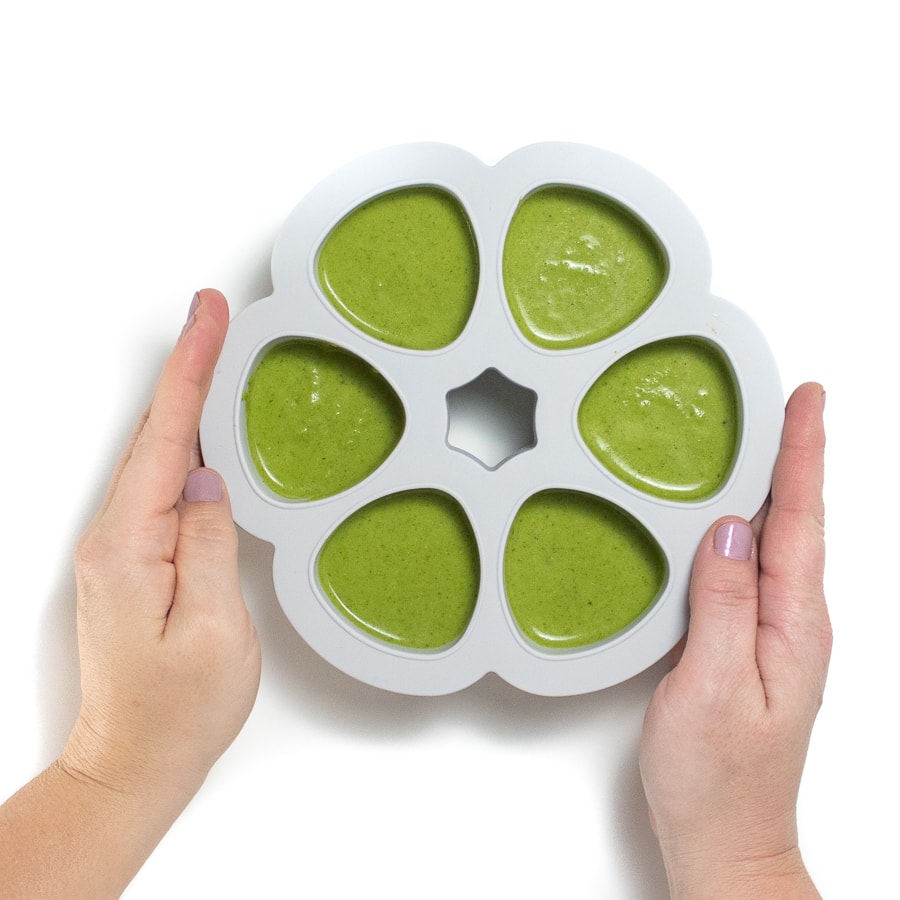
{"points": [[726, 733], [170, 659], [170, 670]]}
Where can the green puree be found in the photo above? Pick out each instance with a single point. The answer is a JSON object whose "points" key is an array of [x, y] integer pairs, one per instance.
{"points": [[577, 569], [403, 268], [405, 569], [318, 419], [578, 267], [665, 419]]}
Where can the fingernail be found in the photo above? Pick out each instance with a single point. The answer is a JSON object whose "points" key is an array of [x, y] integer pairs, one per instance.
{"points": [[192, 312], [203, 485], [733, 540], [195, 302]]}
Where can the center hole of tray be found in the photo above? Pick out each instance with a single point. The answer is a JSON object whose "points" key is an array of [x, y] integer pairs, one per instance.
{"points": [[491, 418]]}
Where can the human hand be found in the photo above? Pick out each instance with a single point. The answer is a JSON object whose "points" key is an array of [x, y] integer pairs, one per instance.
{"points": [[726, 733], [170, 660], [169, 657]]}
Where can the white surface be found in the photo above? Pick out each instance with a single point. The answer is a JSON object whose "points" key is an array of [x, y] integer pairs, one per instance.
{"points": [[492, 642], [151, 151]]}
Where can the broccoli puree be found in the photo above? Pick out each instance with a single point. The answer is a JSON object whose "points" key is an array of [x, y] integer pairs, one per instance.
{"points": [[578, 569], [318, 419], [578, 267], [665, 419], [405, 569], [403, 268]]}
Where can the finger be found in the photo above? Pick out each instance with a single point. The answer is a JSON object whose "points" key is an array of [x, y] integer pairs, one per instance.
{"points": [[155, 467], [793, 552], [121, 463], [206, 550], [794, 625], [721, 640]]}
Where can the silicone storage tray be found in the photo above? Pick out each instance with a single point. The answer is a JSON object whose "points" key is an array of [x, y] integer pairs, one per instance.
{"points": [[487, 419]]}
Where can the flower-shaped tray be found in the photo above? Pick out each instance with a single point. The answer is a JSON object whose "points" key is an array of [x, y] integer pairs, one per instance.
{"points": [[486, 416]]}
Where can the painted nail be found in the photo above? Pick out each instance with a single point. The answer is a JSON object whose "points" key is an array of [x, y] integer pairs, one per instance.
{"points": [[204, 485], [195, 302], [192, 312], [733, 540]]}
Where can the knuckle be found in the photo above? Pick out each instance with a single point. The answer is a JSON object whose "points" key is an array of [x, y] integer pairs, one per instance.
{"points": [[210, 528], [726, 588]]}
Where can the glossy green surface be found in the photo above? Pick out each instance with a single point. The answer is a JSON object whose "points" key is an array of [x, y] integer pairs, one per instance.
{"points": [[405, 569], [665, 419], [403, 268], [578, 267], [577, 569], [318, 419]]}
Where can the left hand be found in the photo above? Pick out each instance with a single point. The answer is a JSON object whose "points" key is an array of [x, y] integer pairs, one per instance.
{"points": [[170, 658]]}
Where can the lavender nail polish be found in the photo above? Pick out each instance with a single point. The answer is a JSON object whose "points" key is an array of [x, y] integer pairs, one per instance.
{"points": [[203, 485], [733, 540], [195, 302], [192, 311]]}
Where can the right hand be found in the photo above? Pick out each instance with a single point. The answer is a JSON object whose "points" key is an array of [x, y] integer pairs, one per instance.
{"points": [[726, 732]]}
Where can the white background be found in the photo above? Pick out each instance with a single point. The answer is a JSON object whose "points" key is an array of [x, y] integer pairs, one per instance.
{"points": [[151, 149]]}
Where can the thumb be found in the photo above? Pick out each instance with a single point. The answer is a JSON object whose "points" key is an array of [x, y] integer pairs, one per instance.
{"points": [[724, 597], [206, 566]]}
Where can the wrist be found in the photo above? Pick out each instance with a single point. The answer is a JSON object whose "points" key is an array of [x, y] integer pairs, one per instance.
{"points": [[73, 832], [716, 875], [125, 769]]}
